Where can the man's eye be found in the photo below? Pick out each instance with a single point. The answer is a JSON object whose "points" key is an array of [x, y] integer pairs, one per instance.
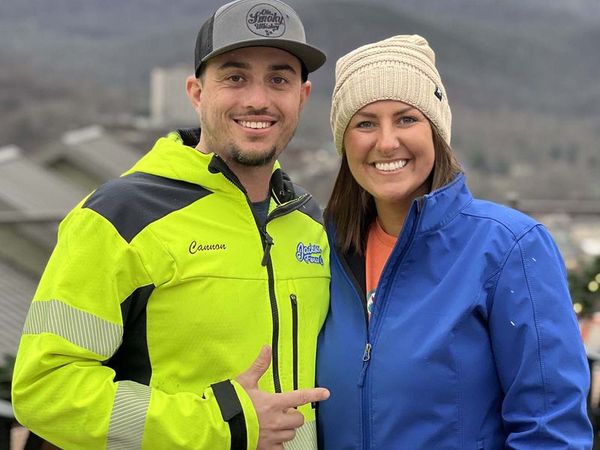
{"points": [[235, 78], [279, 80]]}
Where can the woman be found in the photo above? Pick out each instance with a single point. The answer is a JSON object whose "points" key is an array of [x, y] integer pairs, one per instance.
{"points": [[450, 324]]}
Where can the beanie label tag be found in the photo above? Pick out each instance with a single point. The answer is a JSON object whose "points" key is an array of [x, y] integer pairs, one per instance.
{"points": [[438, 93]]}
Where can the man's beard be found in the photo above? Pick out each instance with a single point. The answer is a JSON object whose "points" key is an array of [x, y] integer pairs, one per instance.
{"points": [[252, 160]]}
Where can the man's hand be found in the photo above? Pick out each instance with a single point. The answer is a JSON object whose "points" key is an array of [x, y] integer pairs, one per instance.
{"points": [[277, 416]]}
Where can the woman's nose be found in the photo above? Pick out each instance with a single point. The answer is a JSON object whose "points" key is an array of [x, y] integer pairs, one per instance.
{"points": [[388, 140]]}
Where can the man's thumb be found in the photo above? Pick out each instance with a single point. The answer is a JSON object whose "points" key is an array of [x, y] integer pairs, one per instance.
{"points": [[250, 377]]}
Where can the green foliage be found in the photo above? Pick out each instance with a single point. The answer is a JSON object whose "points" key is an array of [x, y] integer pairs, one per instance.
{"points": [[6, 371], [584, 283]]}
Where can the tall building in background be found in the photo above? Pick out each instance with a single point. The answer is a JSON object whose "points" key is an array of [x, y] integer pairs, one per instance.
{"points": [[169, 104]]}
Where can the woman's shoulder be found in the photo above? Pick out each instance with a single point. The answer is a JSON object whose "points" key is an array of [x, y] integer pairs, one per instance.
{"points": [[499, 215]]}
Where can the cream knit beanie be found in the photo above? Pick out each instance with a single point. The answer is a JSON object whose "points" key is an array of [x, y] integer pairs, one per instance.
{"points": [[399, 68]]}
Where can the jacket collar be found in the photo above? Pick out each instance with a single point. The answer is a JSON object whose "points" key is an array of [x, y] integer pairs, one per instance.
{"points": [[437, 209], [442, 205], [281, 185]]}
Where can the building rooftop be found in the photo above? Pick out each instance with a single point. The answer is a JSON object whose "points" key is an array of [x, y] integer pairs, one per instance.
{"points": [[88, 157], [27, 186], [16, 292]]}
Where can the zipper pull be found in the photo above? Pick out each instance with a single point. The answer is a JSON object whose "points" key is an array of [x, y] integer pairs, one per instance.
{"points": [[366, 357], [367, 352], [268, 241]]}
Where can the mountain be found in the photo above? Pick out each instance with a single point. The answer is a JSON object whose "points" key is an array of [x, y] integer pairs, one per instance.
{"points": [[508, 51], [521, 76]]}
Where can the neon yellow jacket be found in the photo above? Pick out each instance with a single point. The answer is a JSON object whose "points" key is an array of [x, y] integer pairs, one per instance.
{"points": [[162, 287]]}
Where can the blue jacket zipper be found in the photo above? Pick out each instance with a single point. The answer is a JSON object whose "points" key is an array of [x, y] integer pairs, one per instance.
{"points": [[372, 331]]}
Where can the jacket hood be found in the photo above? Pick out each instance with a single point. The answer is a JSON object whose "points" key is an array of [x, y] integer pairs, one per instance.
{"points": [[175, 157]]}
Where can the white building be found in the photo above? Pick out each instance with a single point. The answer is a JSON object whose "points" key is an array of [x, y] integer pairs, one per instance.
{"points": [[169, 104]]}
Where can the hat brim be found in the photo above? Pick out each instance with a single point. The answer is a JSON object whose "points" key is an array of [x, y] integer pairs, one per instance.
{"points": [[310, 56]]}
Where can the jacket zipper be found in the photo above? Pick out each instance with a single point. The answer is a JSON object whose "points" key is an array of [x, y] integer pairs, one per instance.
{"points": [[371, 333], [366, 422], [418, 206], [267, 243], [366, 356], [294, 301]]}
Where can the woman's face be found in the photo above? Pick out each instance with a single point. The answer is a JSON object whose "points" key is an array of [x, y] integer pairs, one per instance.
{"points": [[390, 152]]}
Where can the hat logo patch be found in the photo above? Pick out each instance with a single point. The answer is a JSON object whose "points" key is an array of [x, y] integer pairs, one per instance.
{"points": [[265, 20], [438, 93]]}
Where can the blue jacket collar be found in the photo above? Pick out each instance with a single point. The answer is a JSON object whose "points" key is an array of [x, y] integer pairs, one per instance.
{"points": [[442, 205]]}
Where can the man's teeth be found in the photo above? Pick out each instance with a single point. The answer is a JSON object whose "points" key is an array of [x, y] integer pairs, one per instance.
{"points": [[248, 124], [390, 166]]}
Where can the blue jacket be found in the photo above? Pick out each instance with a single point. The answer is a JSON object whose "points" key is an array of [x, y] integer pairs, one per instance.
{"points": [[472, 344]]}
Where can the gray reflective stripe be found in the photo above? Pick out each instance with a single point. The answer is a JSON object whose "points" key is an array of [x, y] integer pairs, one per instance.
{"points": [[128, 418], [306, 438], [76, 326]]}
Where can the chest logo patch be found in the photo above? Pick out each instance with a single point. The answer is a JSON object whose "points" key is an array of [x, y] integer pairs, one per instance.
{"points": [[309, 253]]}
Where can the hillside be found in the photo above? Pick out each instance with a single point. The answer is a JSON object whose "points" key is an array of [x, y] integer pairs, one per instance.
{"points": [[521, 77]]}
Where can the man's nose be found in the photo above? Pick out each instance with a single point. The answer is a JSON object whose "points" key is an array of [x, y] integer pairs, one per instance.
{"points": [[256, 96]]}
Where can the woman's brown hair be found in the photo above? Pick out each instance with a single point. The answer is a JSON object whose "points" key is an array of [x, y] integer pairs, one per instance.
{"points": [[351, 209]]}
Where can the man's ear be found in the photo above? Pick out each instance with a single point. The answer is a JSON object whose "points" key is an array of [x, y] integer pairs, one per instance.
{"points": [[193, 88], [306, 88]]}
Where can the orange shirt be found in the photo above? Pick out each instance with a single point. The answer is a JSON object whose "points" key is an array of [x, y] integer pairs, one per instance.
{"points": [[379, 246]]}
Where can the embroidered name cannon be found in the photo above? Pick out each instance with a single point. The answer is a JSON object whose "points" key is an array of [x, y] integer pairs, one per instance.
{"points": [[195, 247]]}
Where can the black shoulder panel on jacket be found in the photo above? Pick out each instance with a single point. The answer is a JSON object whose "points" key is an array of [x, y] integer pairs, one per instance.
{"points": [[311, 208], [133, 202], [132, 360]]}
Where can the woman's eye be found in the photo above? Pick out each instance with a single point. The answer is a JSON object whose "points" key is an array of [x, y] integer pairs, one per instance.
{"points": [[408, 120], [364, 124]]}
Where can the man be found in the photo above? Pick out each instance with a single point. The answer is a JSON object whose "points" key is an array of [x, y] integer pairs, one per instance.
{"points": [[167, 282]]}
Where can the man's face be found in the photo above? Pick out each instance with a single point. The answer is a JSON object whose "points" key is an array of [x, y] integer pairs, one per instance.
{"points": [[249, 102]]}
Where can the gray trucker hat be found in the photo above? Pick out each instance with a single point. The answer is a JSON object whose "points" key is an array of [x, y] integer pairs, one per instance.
{"points": [[250, 23]]}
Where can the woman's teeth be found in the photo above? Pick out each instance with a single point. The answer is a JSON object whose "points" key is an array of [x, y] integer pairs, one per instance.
{"points": [[391, 166]]}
